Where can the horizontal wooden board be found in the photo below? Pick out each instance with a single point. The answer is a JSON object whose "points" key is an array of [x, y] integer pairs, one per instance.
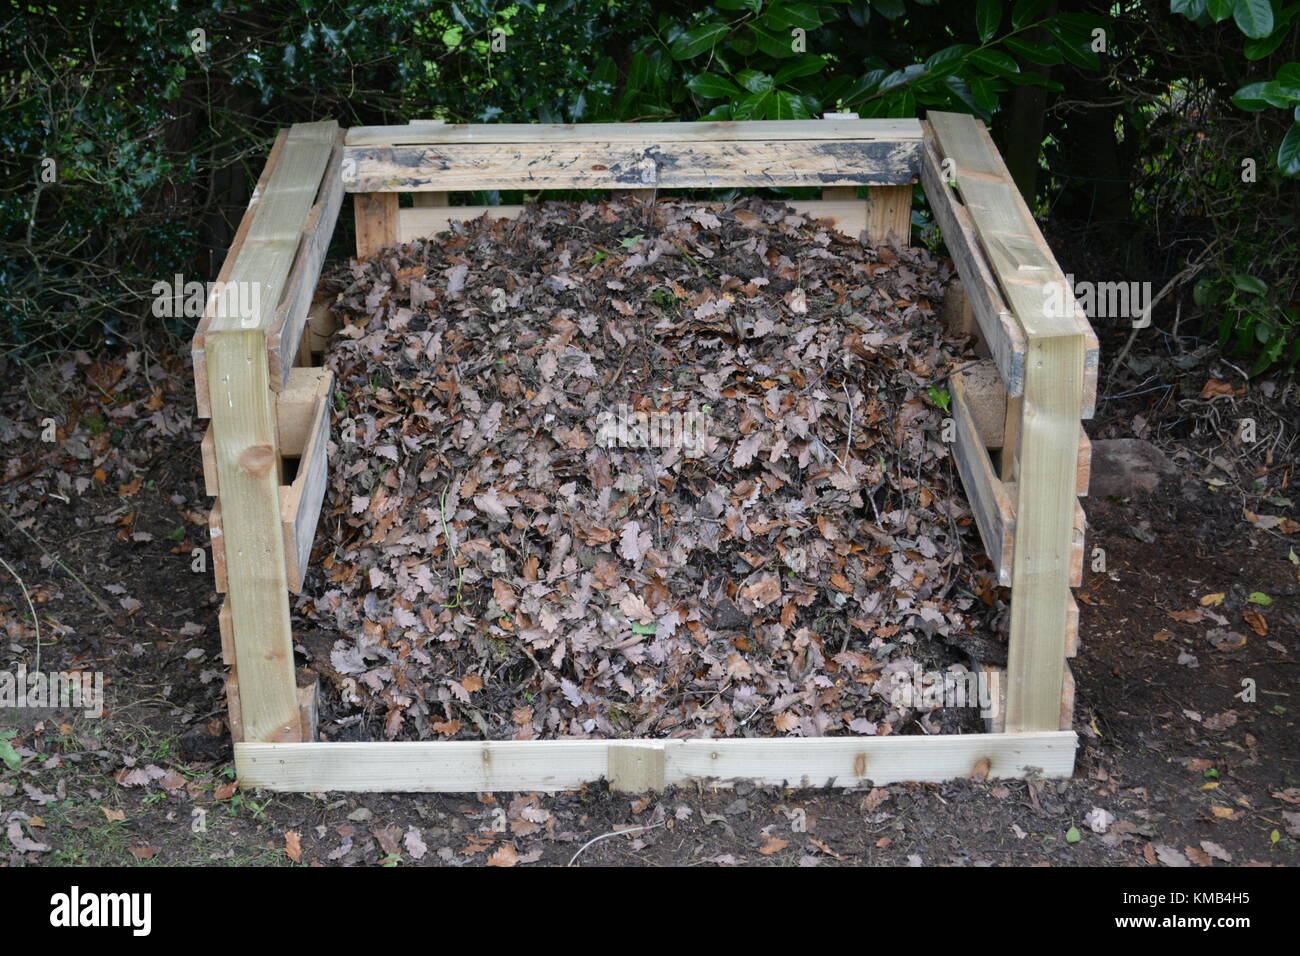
{"points": [[554, 765], [645, 134], [422, 222], [669, 165]]}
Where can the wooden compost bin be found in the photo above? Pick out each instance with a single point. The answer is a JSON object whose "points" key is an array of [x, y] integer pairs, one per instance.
{"points": [[254, 380]]}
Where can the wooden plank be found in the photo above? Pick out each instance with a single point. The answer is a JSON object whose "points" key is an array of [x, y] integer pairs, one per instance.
{"points": [[1084, 478], [1072, 627], [267, 253], [296, 408], [636, 766], [1067, 699], [241, 233], [889, 214], [959, 316], [989, 500], [300, 503], [1000, 331], [243, 422], [985, 396], [376, 222], [217, 542], [556, 765], [430, 200], [665, 165], [1008, 466], [227, 630], [321, 325], [643, 134], [1020, 257], [848, 216], [1049, 439], [208, 455], [291, 315]]}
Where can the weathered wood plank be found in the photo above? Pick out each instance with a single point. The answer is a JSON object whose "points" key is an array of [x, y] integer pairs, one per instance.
{"points": [[985, 395], [554, 765], [217, 543], [999, 329], [667, 165], [643, 134], [889, 214]]}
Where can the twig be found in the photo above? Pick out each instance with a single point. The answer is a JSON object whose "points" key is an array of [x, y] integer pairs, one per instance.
{"points": [[35, 620], [605, 836]]}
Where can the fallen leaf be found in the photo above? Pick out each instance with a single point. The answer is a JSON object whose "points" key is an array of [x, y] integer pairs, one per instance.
{"points": [[293, 845], [506, 855], [773, 845]]}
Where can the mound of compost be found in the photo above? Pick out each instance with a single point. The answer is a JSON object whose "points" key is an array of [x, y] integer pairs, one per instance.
{"points": [[619, 469]]}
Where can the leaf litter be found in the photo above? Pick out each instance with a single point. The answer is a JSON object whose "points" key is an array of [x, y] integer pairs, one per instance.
{"points": [[616, 470]]}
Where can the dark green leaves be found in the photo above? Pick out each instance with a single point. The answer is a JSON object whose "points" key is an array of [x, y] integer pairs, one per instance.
{"points": [[1288, 154], [988, 15], [694, 42], [1253, 17]]}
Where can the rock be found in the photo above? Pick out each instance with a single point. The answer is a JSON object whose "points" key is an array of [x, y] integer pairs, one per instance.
{"points": [[1124, 466], [727, 617]]}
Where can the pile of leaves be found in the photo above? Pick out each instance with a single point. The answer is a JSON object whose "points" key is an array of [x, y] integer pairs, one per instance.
{"points": [[619, 469]]}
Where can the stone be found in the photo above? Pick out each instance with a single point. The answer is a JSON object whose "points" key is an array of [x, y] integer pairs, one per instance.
{"points": [[1125, 466]]}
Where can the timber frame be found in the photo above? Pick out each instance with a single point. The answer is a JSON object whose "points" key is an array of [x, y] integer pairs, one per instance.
{"points": [[1019, 446]]}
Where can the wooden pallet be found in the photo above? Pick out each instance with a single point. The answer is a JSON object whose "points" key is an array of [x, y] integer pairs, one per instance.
{"points": [[1019, 446]]}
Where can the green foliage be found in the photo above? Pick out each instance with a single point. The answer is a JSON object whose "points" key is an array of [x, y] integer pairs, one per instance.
{"points": [[1254, 320], [1266, 24]]}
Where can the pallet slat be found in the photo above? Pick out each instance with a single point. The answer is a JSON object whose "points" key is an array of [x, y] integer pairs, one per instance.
{"points": [[665, 165], [644, 134], [554, 765], [421, 222]]}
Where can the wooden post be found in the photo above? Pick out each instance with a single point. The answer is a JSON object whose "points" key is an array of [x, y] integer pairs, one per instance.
{"points": [[889, 214], [248, 475], [376, 215]]}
